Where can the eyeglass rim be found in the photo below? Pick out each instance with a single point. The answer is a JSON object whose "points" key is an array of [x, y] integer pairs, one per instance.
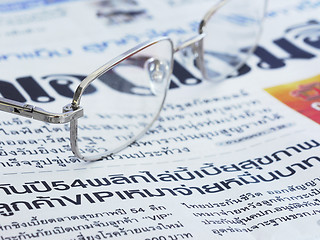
{"points": [[112, 63], [96, 74]]}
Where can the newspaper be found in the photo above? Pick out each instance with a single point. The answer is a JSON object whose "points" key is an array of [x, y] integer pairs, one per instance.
{"points": [[237, 159]]}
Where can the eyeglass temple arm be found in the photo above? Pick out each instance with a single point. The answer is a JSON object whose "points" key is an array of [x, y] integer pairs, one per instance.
{"points": [[30, 111]]}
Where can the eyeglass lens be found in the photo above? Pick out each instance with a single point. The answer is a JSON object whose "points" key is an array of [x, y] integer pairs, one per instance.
{"points": [[231, 34], [115, 118]]}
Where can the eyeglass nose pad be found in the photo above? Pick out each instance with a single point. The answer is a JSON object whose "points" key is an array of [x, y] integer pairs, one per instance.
{"points": [[189, 56], [158, 73]]}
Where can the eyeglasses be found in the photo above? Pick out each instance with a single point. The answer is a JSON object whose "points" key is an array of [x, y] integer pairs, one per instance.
{"points": [[228, 34]]}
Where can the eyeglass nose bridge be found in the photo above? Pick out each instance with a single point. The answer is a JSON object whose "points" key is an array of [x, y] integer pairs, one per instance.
{"points": [[192, 51], [191, 42]]}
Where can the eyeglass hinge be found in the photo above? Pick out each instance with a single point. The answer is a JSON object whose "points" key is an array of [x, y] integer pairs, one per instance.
{"points": [[23, 110], [28, 108], [67, 108], [30, 111]]}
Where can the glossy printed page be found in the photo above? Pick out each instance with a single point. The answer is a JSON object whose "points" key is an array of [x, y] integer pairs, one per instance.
{"points": [[235, 159]]}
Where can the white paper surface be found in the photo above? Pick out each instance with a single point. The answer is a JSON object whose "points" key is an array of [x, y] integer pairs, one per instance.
{"points": [[225, 160]]}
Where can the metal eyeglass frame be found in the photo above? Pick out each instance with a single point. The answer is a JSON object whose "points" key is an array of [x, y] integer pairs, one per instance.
{"points": [[73, 111]]}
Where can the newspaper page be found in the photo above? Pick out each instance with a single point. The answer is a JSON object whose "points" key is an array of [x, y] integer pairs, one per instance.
{"points": [[236, 159]]}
